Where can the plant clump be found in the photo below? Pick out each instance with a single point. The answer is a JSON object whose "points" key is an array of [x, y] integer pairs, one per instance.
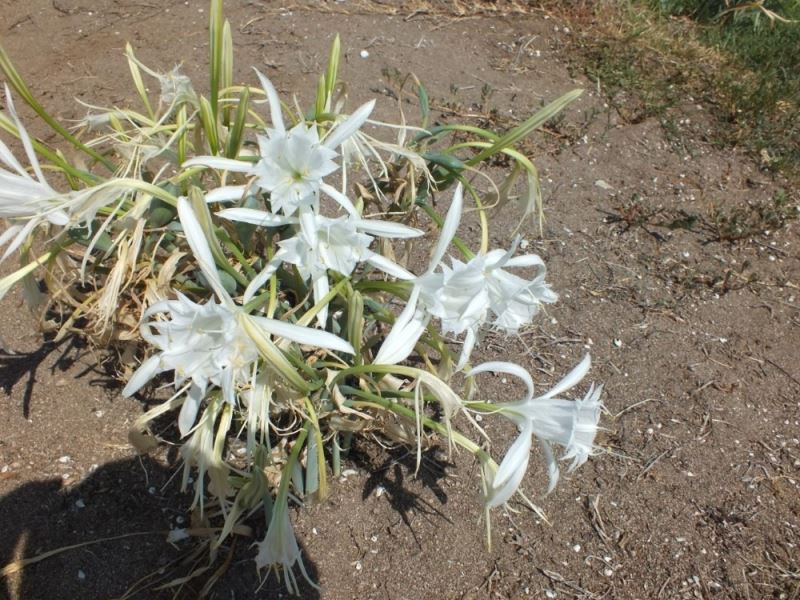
{"points": [[256, 258]]}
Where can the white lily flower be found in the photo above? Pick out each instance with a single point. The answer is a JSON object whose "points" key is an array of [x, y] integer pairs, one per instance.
{"points": [[25, 201], [201, 342], [464, 295], [568, 423], [211, 343], [322, 243], [412, 321], [294, 162], [279, 548]]}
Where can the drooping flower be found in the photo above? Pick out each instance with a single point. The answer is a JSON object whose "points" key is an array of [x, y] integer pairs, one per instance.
{"points": [[414, 318], [572, 424], [279, 548], [26, 202]]}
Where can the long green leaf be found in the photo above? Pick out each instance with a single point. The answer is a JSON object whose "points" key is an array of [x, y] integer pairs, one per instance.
{"points": [[524, 129]]}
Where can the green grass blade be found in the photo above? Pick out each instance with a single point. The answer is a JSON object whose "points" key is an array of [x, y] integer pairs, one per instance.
{"points": [[236, 133], [524, 129], [215, 30]]}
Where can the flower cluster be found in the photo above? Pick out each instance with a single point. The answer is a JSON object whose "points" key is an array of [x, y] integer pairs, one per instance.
{"points": [[271, 301]]}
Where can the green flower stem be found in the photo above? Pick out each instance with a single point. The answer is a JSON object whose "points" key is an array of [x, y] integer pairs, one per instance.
{"points": [[321, 473], [375, 401]]}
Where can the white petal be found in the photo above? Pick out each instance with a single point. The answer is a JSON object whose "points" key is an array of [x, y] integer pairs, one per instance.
{"points": [[387, 266], [202, 252], [24, 137], [11, 161], [572, 378], [262, 278], [407, 329], [226, 193], [466, 350], [217, 162], [512, 470], [347, 128], [146, 371], [321, 287], [308, 225], [552, 465], [303, 335], [449, 227], [528, 260], [254, 216], [387, 229], [509, 368], [191, 406], [274, 103], [21, 236]]}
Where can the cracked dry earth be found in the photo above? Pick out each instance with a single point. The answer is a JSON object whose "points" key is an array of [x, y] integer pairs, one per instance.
{"points": [[694, 335]]}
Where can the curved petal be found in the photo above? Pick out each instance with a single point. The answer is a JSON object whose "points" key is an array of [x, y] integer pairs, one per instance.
{"points": [[510, 369], [449, 227], [387, 266], [303, 335], [217, 162], [321, 288], [200, 248], [274, 103], [552, 465], [387, 229], [146, 371], [226, 193], [572, 378], [348, 127], [25, 138], [403, 337], [254, 216], [262, 278], [343, 200], [466, 350], [190, 408], [527, 260], [511, 471]]}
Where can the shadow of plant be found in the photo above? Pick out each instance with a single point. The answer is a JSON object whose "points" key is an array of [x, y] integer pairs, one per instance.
{"points": [[390, 472], [107, 539]]}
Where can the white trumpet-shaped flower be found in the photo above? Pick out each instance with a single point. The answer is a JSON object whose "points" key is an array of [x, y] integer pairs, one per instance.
{"points": [[552, 420], [211, 343], [293, 162], [465, 295], [279, 548], [25, 201], [200, 342], [323, 243]]}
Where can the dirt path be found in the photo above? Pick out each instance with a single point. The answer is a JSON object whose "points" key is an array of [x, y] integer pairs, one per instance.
{"points": [[695, 337]]}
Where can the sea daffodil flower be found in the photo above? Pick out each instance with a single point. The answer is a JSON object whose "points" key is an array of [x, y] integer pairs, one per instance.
{"points": [[25, 201], [568, 423], [212, 342], [339, 244], [292, 162], [464, 295]]}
